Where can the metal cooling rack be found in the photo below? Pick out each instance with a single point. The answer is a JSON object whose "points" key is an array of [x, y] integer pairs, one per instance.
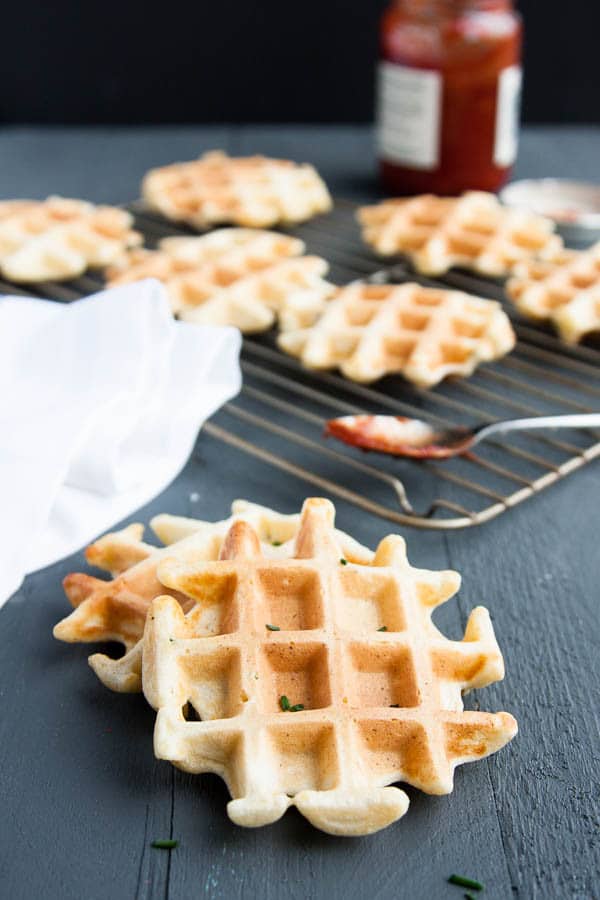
{"points": [[279, 415]]}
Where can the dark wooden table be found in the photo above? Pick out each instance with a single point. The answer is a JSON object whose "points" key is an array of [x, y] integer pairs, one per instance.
{"points": [[82, 796]]}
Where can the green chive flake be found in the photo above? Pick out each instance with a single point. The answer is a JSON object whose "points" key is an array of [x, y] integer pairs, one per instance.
{"points": [[165, 845], [273, 627], [284, 703], [383, 628], [343, 561], [275, 543], [297, 707], [461, 881]]}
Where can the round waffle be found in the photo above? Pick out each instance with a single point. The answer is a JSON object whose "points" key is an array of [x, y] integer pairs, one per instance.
{"points": [[314, 681], [234, 276], [368, 331], [472, 232], [253, 190], [58, 238], [564, 291]]}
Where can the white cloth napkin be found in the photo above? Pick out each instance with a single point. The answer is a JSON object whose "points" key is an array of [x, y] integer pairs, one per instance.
{"points": [[100, 405]]}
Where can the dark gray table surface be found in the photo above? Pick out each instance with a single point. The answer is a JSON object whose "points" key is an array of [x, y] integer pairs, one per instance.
{"points": [[81, 794]]}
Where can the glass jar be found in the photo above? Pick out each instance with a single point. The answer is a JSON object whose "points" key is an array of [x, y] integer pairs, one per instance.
{"points": [[448, 95]]}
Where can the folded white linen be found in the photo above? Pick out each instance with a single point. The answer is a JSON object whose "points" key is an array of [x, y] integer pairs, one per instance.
{"points": [[101, 401]]}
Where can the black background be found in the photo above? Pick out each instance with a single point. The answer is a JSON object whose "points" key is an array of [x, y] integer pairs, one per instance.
{"points": [[242, 61]]}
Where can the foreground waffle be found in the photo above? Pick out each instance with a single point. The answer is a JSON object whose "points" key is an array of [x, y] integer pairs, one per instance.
{"points": [[324, 680], [58, 239], [255, 191], [234, 276], [368, 331], [565, 291], [116, 610], [472, 232]]}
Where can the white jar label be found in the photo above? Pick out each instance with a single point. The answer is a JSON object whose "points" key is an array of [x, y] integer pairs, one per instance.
{"points": [[408, 115], [507, 116]]}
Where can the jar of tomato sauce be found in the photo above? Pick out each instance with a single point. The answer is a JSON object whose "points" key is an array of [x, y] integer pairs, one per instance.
{"points": [[448, 95]]}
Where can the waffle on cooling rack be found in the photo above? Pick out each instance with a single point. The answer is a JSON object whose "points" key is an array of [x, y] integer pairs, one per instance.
{"points": [[234, 276], [323, 680], [58, 238], [255, 191], [566, 291], [368, 331], [473, 231], [116, 610]]}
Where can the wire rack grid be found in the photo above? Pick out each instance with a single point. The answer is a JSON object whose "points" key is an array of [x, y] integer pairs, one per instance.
{"points": [[280, 413]]}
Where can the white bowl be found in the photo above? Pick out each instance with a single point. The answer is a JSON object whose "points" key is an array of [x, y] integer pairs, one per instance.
{"points": [[573, 205]]}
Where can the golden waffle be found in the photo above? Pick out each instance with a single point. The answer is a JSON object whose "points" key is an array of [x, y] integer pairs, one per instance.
{"points": [[254, 191], [472, 232], [356, 690], [368, 331], [116, 610], [565, 290], [59, 238], [234, 276]]}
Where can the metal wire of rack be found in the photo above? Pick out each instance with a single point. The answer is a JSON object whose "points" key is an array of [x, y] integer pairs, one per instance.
{"points": [[279, 415]]}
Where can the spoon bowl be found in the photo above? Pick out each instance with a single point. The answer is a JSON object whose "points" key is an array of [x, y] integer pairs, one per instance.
{"points": [[402, 436]]}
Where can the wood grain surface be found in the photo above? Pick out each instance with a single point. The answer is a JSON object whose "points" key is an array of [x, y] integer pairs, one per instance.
{"points": [[82, 795]]}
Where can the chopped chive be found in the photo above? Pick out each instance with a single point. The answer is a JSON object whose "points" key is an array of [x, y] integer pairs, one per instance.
{"points": [[343, 561], [165, 845], [273, 627], [285, 705], [383, 628], [466, 882], [276, 543]]}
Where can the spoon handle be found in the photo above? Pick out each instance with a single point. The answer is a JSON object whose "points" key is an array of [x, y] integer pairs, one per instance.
{"points": [[578, 420]]}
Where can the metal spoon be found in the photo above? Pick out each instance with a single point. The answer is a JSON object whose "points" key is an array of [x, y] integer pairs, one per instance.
{"points": [[401, 436]]}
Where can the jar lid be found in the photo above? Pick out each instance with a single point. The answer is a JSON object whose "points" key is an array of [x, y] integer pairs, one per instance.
{"points": [[573, 205]]}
